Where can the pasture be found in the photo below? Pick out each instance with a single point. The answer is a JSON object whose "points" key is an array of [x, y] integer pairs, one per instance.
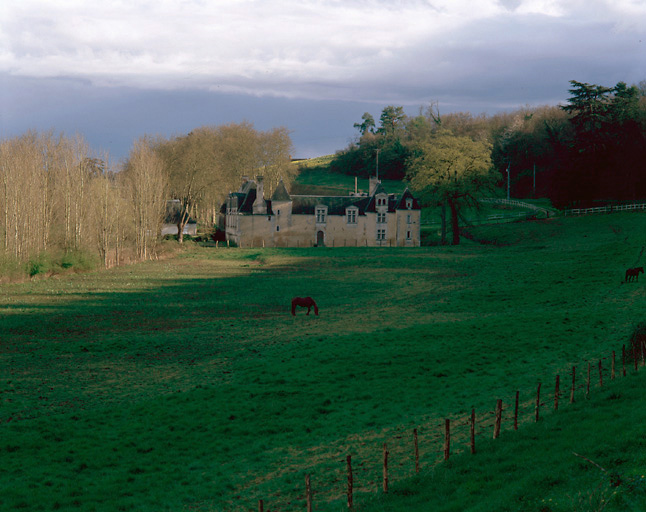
{"points": [[186, 383]]}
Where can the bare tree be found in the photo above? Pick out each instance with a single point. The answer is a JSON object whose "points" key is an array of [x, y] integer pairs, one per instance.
{"points": [[147, 188], [209, 162], [274, 157]]}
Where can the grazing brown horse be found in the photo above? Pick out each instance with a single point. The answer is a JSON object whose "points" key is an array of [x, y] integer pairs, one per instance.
{"points": [[304, 302], [632, 274]]}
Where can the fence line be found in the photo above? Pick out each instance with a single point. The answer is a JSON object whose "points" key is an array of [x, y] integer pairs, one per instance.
{"points": [[605, 209], [432, 443], [500, 217], [513, 202]]}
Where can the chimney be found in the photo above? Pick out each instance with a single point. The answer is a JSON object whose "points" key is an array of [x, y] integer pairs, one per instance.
{"points": [[373, 185], [259, 205]]}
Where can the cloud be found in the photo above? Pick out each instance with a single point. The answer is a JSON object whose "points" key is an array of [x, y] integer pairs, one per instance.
{"points": [[318, 48]]}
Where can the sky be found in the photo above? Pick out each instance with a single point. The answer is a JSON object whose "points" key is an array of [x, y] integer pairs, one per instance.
{"points": [[114, 71]]}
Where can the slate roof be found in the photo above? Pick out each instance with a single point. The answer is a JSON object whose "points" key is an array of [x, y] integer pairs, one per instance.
{"points": [[337, 205], [281, 194], [401, 204], [246, 197]]}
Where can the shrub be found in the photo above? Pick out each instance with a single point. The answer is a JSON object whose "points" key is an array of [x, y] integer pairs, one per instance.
{"points": [[46, 262], [78, 260], [39, 264]]}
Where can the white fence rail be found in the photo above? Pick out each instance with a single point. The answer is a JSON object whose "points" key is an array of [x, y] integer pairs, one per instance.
{"points": [[512, 202], [503, 217], [605, 209]]}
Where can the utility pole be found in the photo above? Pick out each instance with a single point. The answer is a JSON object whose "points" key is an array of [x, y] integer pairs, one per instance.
{"points": [[508, 189]]}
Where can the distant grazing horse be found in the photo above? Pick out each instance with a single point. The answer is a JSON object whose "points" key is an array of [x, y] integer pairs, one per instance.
{"points": [[632, 274], [304, 302]]}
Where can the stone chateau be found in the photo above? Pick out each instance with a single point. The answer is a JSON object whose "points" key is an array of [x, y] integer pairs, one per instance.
{"points": [[373, 219]]}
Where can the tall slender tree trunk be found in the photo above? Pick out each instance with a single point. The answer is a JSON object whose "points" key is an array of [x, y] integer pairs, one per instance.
{"points": [[455, 228], [443, 217]]}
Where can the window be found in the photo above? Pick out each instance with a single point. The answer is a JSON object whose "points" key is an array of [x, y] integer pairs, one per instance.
{"points": [[277, 228], [408, 235], [381, 201], [381, 234], [321, 212], [351, 215], [409, 219], [409, 203], [381, 218]]}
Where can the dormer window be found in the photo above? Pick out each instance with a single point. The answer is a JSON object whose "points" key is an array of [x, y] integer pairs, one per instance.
{"points": [[409, 203], [321, 214], [351, 215], [381, 200]]}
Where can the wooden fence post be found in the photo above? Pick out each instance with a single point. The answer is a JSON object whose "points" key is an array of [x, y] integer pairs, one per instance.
{"points": [[538, 400], [641, 345], [516, 412], [600, 375], [587, 386], [473, 431], [308, 493], [385, 486], [612, 369], [349, 461], [556, 393], [573, 384], [496, 428], [447, 438], [416, 450], [623, 359], [261, 506]]}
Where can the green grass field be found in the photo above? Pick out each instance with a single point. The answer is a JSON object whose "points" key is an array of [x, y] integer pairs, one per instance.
{"points": [[186, 384], [315, 178]]}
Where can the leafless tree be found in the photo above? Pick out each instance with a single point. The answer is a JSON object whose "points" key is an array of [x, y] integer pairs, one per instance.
{"points": [[147, 188]]}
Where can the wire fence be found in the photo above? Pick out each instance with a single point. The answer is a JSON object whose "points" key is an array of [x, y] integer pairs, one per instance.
{"points": [[377, 462]]}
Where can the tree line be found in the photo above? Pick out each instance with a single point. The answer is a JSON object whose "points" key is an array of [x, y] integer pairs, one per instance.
{"points": [[61, 201], [592, 149]]}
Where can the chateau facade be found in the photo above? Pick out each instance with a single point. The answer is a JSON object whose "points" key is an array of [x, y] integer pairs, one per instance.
{"points": [[373, 219]]}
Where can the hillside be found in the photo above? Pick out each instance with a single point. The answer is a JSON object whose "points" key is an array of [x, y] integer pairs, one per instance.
{"points": [[587, 456]]}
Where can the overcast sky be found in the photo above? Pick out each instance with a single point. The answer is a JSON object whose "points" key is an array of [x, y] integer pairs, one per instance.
{"points": [[116, 70]]}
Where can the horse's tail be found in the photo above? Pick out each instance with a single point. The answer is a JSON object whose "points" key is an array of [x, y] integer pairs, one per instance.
{"points": [[316, 308]]}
